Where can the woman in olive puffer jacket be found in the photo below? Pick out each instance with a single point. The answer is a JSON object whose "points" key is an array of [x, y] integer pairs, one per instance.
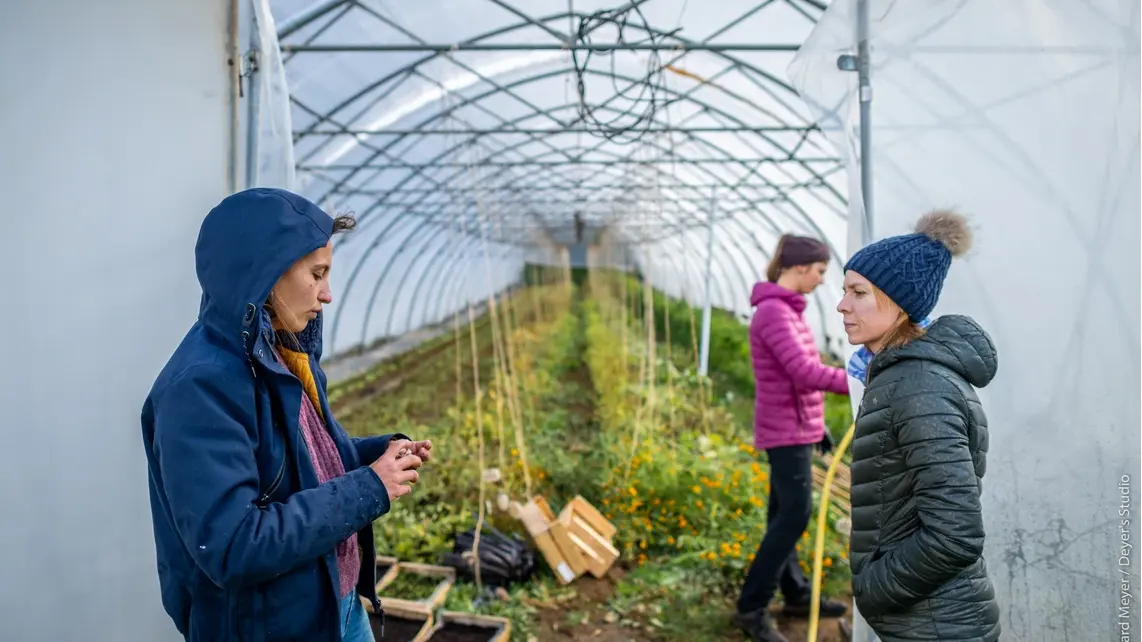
{"points": [[920, 446]]}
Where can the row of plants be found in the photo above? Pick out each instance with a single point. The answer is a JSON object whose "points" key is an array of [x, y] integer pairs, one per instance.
{"points": [[446, 500], [584, 400], [420, 384], [730, 367], [693, 493]]}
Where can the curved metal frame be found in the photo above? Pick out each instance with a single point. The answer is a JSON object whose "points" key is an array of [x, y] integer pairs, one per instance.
{"points": [[705, 107], [671, 219], [714, 176]]}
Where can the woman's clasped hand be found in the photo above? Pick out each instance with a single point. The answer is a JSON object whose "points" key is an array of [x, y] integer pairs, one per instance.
{"points": [[398, 467]]}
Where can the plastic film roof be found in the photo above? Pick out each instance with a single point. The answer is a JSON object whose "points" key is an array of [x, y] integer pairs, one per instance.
{"points": [[472, 137]]}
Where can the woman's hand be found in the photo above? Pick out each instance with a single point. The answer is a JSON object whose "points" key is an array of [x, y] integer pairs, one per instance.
{"points": [[397, 468], [826, 443], [422, 449]]}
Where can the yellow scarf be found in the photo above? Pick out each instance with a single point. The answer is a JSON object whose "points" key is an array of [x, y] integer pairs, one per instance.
{"points": [[298, 364]]}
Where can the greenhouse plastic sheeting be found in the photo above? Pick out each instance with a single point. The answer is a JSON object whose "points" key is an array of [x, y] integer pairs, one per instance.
{"points": [[273, 146], [388, 136], [1023, 114]]}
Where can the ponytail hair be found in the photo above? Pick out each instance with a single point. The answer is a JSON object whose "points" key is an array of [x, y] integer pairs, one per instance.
{"points": [[773, 271], [795, 250]]}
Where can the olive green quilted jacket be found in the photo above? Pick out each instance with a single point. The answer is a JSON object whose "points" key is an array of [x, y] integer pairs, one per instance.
{"points": [[919, 456]]}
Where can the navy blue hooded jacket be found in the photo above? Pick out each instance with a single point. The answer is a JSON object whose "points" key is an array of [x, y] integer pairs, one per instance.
{"points": [[245, 535]]}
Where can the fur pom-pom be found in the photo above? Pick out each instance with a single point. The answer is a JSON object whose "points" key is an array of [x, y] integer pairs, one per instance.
{"points": [[947, 227]]}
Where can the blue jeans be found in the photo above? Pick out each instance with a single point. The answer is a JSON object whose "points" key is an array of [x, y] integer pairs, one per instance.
{"points": [[354, 621]]}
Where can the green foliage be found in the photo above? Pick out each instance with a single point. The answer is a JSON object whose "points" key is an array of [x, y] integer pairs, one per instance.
{"points": [[730, 366], [534, 274], [518, 608], [421, 530], [838, 417], [684, 482], [412, 586], [589, 407]]}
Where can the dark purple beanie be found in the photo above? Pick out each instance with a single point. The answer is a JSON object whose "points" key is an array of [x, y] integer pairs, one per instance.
{"points": [[802, 250]]}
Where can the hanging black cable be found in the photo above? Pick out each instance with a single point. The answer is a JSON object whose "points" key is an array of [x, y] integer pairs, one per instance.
{"points": [[643, 100]]}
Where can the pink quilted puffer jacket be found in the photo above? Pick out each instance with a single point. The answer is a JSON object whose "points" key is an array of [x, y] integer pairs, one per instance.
{"points": [[789, 403]]}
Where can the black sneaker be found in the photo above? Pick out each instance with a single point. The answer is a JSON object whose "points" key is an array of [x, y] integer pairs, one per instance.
{"points": [[829, 608], [759, 626]]}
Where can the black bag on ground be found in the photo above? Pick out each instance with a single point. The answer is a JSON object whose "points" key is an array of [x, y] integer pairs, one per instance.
{"points": [[503, 560]]}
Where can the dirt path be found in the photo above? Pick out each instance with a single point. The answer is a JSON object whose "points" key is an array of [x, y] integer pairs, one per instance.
{"points": [[585, 615], [829, 630]]}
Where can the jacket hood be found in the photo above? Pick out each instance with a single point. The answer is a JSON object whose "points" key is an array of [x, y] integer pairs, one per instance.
{"points": [[765, 290], [954, 341], [244, 245]]}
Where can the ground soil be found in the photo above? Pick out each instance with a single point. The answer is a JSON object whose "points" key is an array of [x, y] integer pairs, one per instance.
{"points": [[590, 603], [829, 630], [397, 629], [451, 632]]}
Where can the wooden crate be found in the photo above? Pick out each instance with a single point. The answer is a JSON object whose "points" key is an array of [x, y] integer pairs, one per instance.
{"points": [[591, 534], [401, 623], [499, 629], [389, 564], [839, 495], [446, 578], [552, 539]]}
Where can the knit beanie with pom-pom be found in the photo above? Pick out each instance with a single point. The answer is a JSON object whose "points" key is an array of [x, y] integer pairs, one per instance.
{"points": [[911, 268]]}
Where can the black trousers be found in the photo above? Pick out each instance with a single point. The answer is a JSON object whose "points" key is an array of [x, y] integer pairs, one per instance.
{"points": [[790, 506]]}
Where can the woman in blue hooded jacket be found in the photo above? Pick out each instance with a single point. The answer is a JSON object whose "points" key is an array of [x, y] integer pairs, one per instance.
{"points": [[262, 505]]}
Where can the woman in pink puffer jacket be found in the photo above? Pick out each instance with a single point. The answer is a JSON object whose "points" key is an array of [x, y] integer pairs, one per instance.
{"points": [[789, 421]]}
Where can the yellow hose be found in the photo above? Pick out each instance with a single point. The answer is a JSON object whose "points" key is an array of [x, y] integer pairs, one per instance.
{"points": [[819, 548]]}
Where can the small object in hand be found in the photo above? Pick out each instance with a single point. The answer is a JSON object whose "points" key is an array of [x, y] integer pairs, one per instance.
{"points": [[403, 452]]}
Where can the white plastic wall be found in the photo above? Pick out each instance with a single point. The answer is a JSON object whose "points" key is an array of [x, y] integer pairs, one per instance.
{"points": [[113, 146], [1023, 114]]}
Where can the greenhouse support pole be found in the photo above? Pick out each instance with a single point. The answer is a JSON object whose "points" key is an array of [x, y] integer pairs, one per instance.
{"points": [[704, 361], [864, 75], [253, 116], [862, 632], [235, 61]]}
